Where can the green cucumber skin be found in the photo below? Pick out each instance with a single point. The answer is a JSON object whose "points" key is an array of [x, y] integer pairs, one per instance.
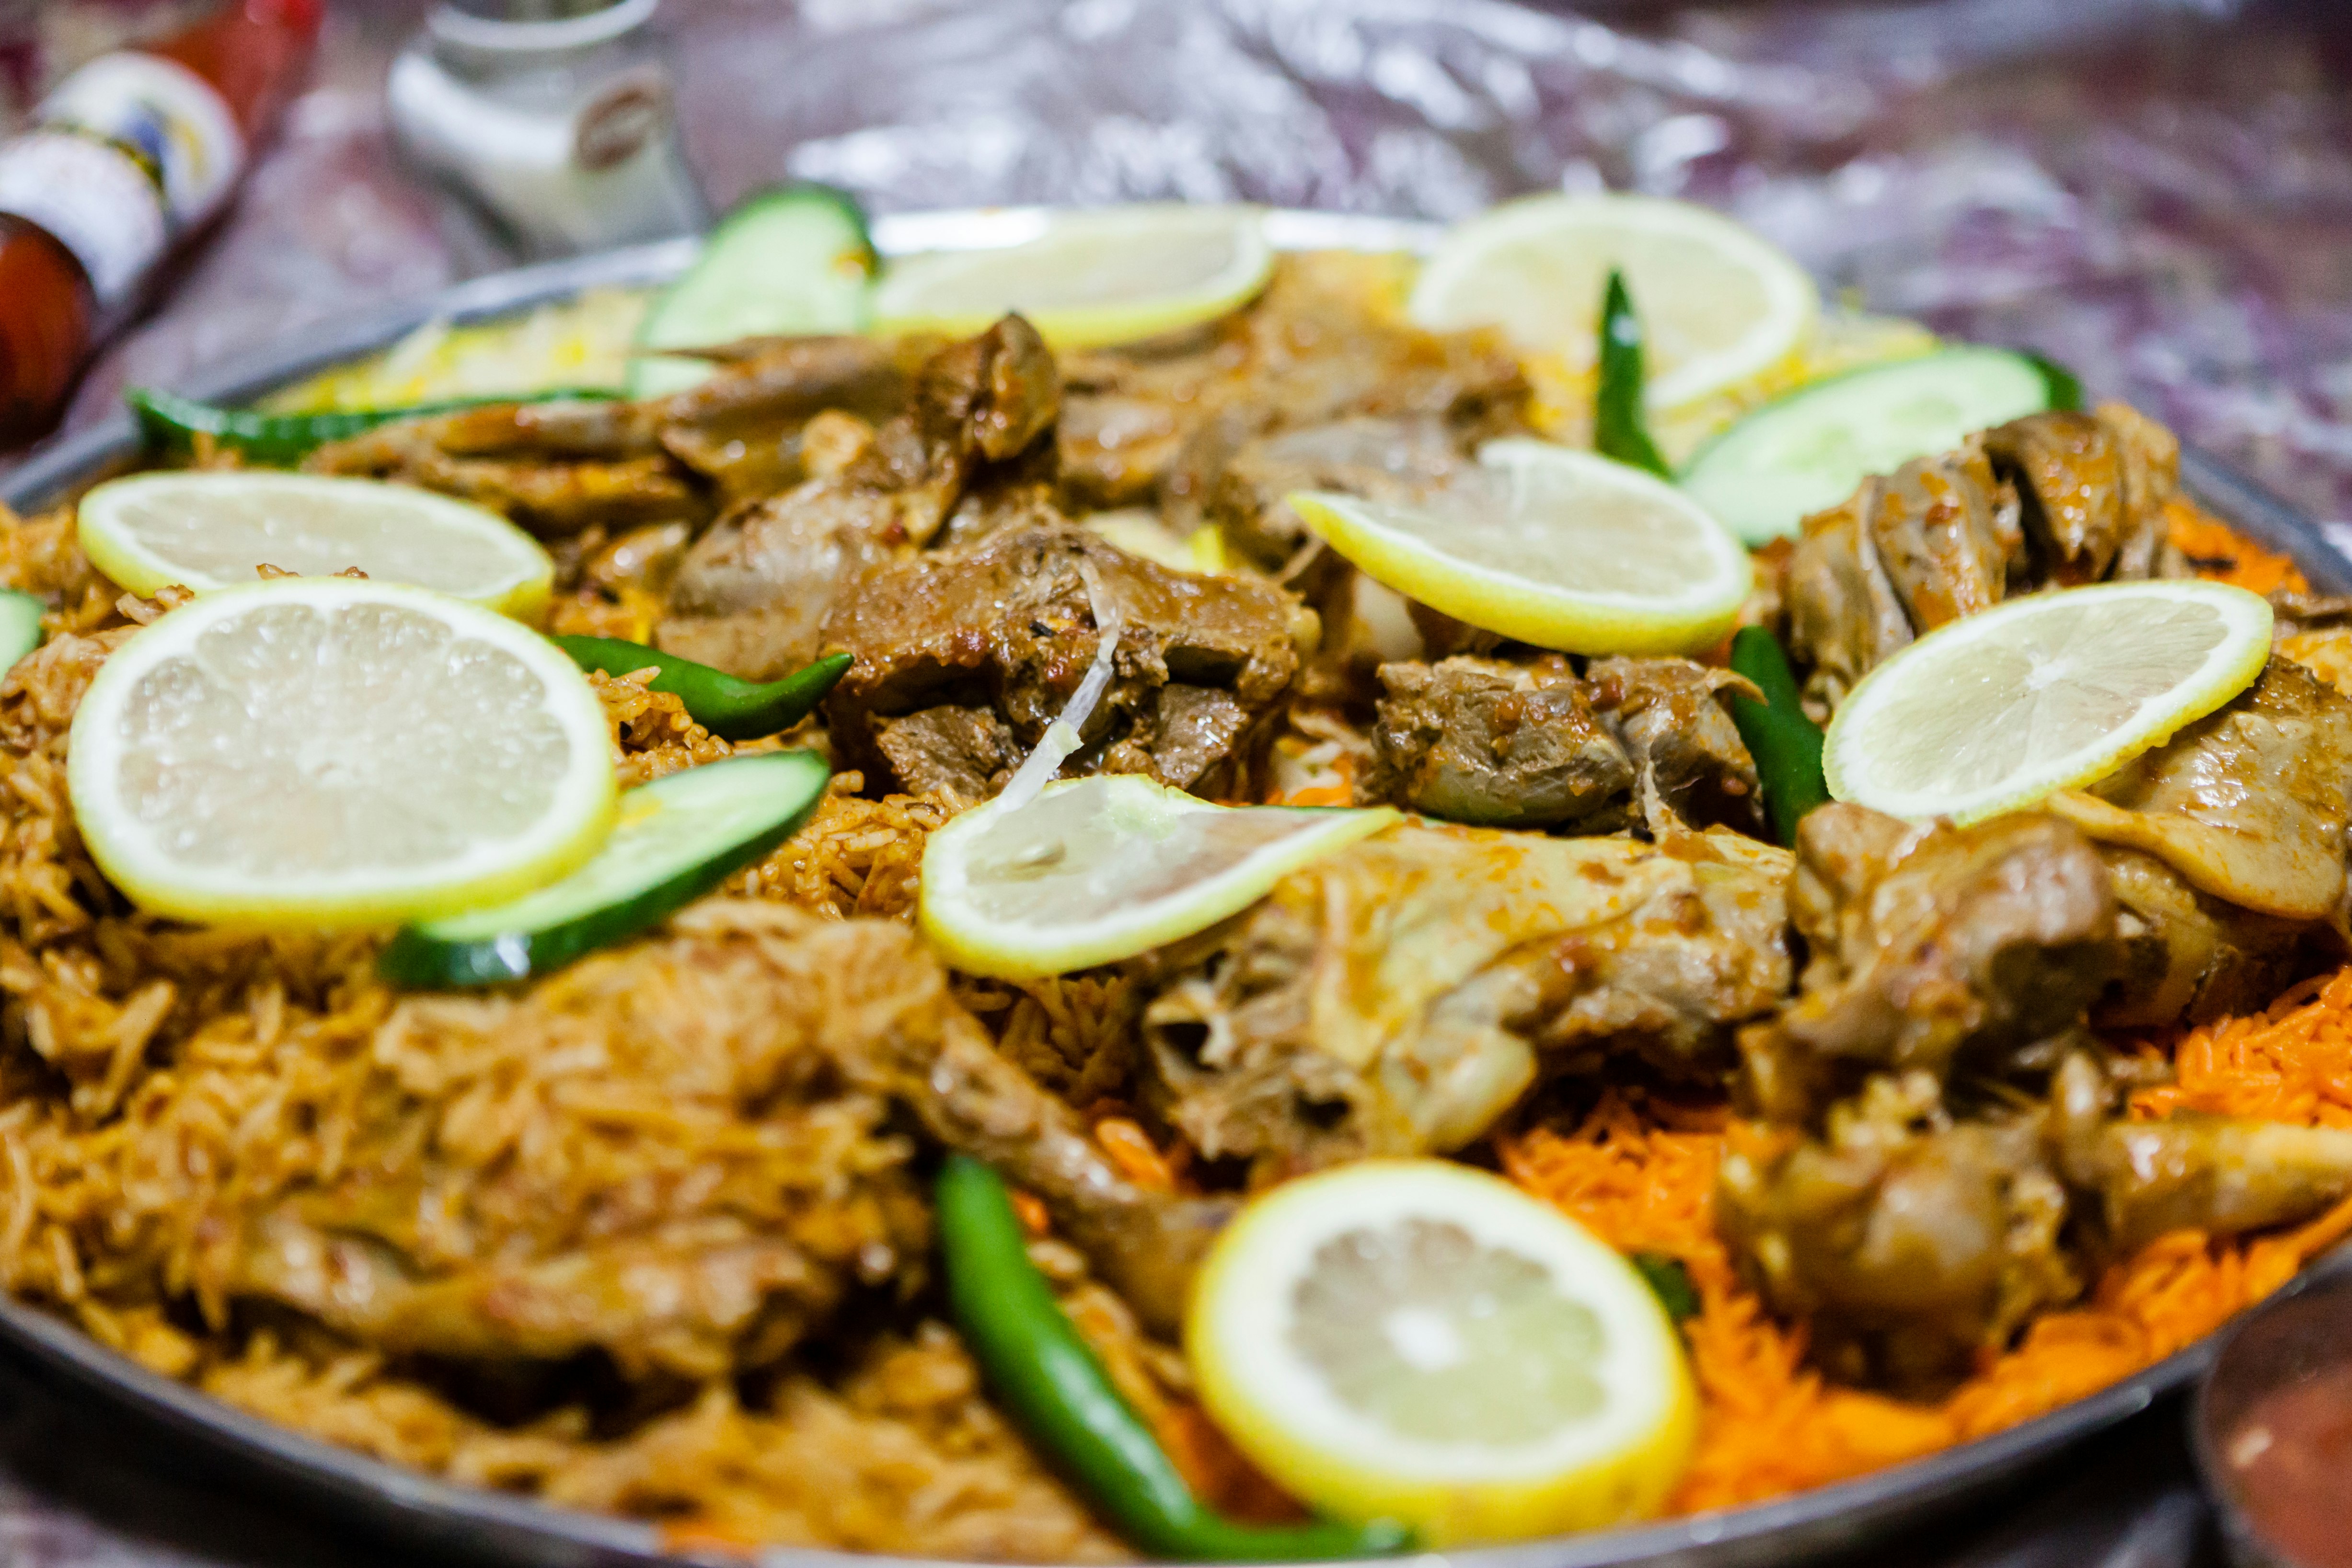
{"points": [[20, 625], [715, 262], [171, 422], [418, 962]]}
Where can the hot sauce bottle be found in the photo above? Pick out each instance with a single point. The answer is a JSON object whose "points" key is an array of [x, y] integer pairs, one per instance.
{"points": [[127, 157]]}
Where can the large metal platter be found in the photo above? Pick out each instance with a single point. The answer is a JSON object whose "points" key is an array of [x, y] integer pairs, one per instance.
{"points": [[433, 1516]]}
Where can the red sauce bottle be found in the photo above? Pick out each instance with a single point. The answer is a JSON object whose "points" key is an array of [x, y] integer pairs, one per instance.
{"points": [[125, 159]]}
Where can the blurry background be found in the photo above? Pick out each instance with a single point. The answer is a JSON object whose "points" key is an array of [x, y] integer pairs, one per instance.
{"points": [[2157, 193]]}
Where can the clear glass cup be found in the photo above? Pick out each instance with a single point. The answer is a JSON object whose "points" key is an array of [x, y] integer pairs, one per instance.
{"points": [[556, 121]]}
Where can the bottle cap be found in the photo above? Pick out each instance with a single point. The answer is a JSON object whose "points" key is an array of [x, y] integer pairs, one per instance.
{"points": [[535, 26]]}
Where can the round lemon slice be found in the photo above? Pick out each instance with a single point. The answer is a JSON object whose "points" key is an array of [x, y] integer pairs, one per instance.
{"points": [[1098, 869], [208, 531], [322, 751], [1990, 713], [1551, 546], [1417, 1340], [1719, 306], [1108, 275]]}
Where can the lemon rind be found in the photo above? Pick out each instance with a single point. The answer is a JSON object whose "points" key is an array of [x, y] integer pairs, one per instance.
{"points": [[117, 552], [1582, 1481], [2232, 666], [1000, 951], [1080, 326], [1547, 617], [1791, 290], [565, 837]]}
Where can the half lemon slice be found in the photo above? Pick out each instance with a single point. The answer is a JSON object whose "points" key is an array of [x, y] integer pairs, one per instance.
{"points": [[324, 751], [1416, 1339], [1104, 276], [1721, 307], [1553, 546], [1990, 713], [208, 531], [1098, 869]]}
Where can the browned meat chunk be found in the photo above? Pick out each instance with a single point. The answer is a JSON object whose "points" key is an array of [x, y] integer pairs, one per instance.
{"points": [[1532, 745], [2249, 804], [753, 594], [1688, 756], [1930, 945], [962, 754], [1475, 962], [2185, 956], [1394, 459], [1903, 1240], [2052, 498], [1011, 624], [1497, 745]]}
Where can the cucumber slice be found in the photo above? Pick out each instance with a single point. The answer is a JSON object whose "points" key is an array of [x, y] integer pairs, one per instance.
{"points": [[795, 260], [677, 839], [1807, 451], [20, 625]]}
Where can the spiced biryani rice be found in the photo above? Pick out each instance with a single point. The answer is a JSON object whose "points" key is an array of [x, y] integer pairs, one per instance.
{"points": [[651, 1236]]}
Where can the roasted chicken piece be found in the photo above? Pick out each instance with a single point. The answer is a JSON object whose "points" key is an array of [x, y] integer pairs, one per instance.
{"points": [[751, 596], [557, 468], [1532, 744], [1933, 949], [2052, 498], [1399, 996], [1911, 1241], [680, 1152], [965, 656], [1160, 420], [2184, 956], [2248, 803]]}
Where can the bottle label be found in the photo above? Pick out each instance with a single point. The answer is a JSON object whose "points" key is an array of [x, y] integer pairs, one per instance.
{"points": [[164, 115], [127, 152], [95, 198]]}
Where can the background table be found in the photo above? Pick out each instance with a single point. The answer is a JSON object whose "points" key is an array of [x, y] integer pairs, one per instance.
{"points": [[2158, 193]]}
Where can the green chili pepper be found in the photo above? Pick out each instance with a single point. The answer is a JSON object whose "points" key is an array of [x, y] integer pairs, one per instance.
{"points": [[171, 422], [2065, 389], [1056, 1392], [1669, 1281], [732, 709], [1620, 428], [1786, 744]]}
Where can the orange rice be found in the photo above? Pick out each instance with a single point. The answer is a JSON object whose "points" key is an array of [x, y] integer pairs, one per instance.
{"points": [[1642, 1176]]}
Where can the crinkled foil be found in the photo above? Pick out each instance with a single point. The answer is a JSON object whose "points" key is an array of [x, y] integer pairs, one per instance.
{"points": [[2157, 194]]}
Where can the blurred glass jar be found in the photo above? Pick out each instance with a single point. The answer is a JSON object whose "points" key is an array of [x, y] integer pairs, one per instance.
{"points": [[555, 118]]}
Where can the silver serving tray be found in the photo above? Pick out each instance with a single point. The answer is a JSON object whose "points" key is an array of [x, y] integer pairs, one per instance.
{"points": [[428, 1515]]}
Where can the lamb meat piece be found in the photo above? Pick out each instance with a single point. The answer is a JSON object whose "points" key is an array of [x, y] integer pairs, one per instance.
{"points": [[1670, 715], [1843, 615], [2185, 956], [1931, 946], [2248, 803], [2070, 476], [1011, 624], [1476, 961], [2053, 499], [1906, 1243], [1385, 459], [753, 594], [1947, 533], [963, 754], [1497, 745]]}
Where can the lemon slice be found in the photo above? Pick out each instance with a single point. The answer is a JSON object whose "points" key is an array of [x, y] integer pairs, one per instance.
{"points": [[209, 531], [1416, 1339], [1719, 306], [325, 752], [1553, 546], [1992, 712], [1097, 869], [1108, 275]]}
